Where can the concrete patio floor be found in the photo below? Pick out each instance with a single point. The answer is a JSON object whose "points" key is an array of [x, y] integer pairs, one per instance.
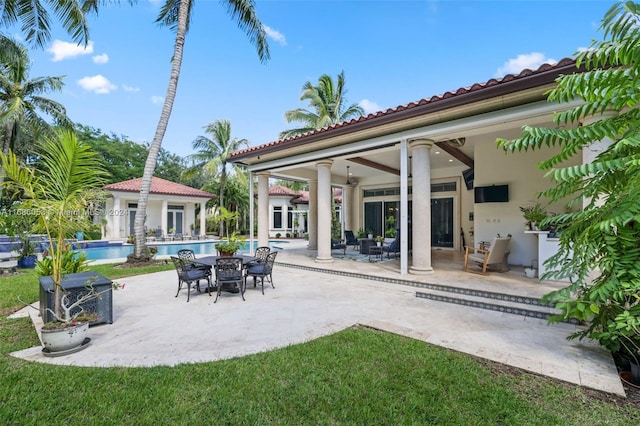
{"points": [[152, 327]]}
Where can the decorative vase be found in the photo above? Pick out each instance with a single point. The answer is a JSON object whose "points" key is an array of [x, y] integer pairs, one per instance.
{"points": [[379, 244], [27, 262], [66, 338], [370, 236]]}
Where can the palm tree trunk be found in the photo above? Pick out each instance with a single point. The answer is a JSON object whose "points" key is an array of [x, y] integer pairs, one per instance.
{"points": [[223, 180], [6, 142], [154, 149]]}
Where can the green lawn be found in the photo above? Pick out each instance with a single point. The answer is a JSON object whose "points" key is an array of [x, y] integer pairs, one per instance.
{"points": [[358, 376]]}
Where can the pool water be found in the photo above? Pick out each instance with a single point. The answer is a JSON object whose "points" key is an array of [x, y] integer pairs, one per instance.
{"points": [[199, 248]]}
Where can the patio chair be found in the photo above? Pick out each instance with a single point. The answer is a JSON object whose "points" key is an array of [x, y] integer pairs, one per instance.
{"points": [[394, 247], [189, 275], [229, 276], [263, 270], [189, 257], [351, 240], [261, 254], [494, 255], [337, 245]]}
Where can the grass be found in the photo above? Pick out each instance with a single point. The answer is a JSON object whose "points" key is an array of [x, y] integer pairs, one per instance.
{"points": [[358, 376]]}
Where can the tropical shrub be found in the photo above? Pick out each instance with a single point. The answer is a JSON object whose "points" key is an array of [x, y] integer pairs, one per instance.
{"points": [[600, 244]]}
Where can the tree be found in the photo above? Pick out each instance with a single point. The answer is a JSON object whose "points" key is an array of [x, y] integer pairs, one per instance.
{"points": [[176, 15], [328, 106], [213, 154], [20, 97], [603, 238], [34, 16]]}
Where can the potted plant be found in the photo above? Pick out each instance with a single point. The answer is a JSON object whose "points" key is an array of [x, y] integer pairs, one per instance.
{"points": [[228, 246], [27, 254], [361, 233], [379, 240], [369, 234], [59, 193], [533, 215]]}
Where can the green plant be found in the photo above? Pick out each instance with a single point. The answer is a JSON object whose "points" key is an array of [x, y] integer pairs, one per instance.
{"points": [[534, 213], [71, 263], [278, 235], [599, 247], [230, 244], [361, 233], [26, 248], [58, 193], [379, 239], [390, 233]]}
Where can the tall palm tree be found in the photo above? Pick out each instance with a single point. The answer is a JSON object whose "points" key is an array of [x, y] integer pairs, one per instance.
{"points": [[176, 15], [213, 153], [34, 17], [328, 106], [21, 102]]}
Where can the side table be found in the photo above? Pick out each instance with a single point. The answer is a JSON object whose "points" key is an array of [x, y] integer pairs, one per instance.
{"points": [[375, 250]]}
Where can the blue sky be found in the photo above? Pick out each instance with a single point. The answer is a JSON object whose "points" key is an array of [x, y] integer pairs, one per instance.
{"points": [[392, 53]]}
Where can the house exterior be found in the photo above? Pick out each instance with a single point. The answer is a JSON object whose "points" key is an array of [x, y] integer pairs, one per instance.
{"points": [[171, 207], [418, 167]]}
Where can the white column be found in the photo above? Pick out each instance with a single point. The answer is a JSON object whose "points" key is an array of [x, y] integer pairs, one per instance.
{"points": [[263, 209], [590, 153], [324, 211], [203, 218], [312, 225], [421, 195], [115, 218], [163, 218], [404, 207], [347, 207]]}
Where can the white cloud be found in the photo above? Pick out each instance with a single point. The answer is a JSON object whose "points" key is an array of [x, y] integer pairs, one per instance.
{"points": [[130, 89], [97, 84], [64, 50], [157, 99], [101, 59], [369, 106], [530, 61], [275, 35]]}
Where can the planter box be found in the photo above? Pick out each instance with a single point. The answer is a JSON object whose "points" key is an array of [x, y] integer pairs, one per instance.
{"points": [[75, 284]]}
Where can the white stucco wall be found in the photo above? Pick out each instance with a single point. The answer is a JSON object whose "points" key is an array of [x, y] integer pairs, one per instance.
{"points": [[519, 171]]}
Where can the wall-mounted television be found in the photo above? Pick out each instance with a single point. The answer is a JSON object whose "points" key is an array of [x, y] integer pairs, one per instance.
{"points": [[467, 175], [491, 194]]}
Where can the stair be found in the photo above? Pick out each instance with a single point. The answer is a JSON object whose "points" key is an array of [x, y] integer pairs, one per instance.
{"points": [[500, 302]]}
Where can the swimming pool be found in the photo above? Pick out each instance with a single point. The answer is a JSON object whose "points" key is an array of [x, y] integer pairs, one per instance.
{"points": [[199, 248]]}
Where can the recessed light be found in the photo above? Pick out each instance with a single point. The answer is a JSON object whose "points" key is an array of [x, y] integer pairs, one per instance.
{"points": [[437, 152], [450, 160]]}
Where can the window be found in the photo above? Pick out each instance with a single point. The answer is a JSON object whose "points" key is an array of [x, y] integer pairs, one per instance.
{"points": [[277, 217]]}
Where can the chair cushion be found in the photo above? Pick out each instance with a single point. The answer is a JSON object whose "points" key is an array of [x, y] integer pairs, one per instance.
{"points": [[195, 274]]}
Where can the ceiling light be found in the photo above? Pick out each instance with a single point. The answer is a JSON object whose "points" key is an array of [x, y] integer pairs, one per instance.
{"points": [[348, 182]]}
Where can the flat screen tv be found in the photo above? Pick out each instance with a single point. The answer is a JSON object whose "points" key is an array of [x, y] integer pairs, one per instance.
{"points": [[491, 194]]}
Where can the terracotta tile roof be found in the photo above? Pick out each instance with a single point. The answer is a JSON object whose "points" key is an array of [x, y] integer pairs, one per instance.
{"points": [[303, 196], [282, 190], [159, 186], [564, 66]]}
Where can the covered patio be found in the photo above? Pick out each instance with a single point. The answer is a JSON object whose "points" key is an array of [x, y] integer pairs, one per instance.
{"points": [[416, 168]]}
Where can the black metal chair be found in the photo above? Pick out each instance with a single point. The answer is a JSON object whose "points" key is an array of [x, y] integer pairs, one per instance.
{"points": [[189, 275], [337, 245], [230, 276], [262, 253], [351, 240], [263, 270], [189, 257]]}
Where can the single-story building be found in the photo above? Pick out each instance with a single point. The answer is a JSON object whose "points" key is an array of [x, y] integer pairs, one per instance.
{"points": [[431, 165], [171, 208]]}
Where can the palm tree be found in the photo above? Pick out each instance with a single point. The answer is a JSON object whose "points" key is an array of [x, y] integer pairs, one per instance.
{"points": [[213, 154], [328, 106], [20, 97], [176, 15], [59, 191], [34, 17]]}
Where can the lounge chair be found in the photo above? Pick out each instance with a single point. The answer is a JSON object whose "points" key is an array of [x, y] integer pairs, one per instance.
{"points": [[351, 239], [337, 245], [394, 247], [494, 255]]}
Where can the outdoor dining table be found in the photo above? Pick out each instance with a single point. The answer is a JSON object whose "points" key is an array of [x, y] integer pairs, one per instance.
{"points": [[211, 261]]}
